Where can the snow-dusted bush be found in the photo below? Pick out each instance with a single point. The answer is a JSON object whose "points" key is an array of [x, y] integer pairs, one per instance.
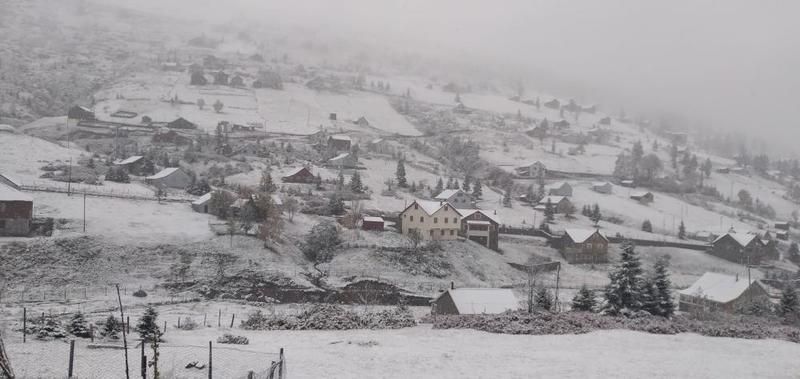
{"points": [[228, 338], [140, 293], [331, 317]]}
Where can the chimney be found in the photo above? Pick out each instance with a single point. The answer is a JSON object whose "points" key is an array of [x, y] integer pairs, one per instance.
{"points": [[452, 285]]}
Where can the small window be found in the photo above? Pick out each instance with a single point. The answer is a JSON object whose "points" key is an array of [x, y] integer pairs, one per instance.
{"points": [[445, 220], [452, 232], [431, 232], [435, 220], [416, 206], [455, 220], [2, 224], [411, 219], [421, 219], [442, 231]]}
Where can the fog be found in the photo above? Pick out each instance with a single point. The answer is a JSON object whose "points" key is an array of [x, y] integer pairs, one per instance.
{"points": [[728, 65]]}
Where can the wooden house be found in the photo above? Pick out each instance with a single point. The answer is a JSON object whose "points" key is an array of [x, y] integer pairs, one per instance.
{"points": [[300, 175], [372, 223], [362, 121], [602, 187], [561, 124], [643, 197], [533, 170], [198, 78], [782, 225], [78, 113], [181, 123], [720, 292], [605, 121], [560, 204], [583, 246], [16, 212], [561, 189], [742, 248], [339, 143], [173, 177], [481, 227], [455, 197], [201, 204], [553, 104], [132, 164], [467, 301], [431, 220], [343, 161]]}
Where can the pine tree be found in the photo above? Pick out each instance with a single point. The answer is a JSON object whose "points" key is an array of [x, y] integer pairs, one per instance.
{"points": [[507, 198], [355, 183], [400, 174], [662, 285], [50, 327], [456, 184], [544, 300], [624, 292], [794, 252], [549, 213], [439, 187], [647, 226], [413, 188], [584, 300], [466, 185], [790, 304], [477, 190], [682, 231], [596, 216], [78, 326], [450, 183], [340, 181], [335, 205], [111, 328], [266, 184], [147, 327]]}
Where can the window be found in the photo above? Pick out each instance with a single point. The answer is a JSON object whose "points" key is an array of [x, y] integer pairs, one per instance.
{"points": [[416, 206], [411, 219], [421, 219], [2, 224], [445, 220], [435, 220], [431, 232], [455, 220], [452, 232], [442, 230]]}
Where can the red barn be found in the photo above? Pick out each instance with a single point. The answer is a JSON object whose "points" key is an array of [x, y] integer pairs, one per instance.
{"points": [[16, 212]]}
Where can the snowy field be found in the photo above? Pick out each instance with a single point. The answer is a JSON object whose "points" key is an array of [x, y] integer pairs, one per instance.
{"points": [[421, 352]]}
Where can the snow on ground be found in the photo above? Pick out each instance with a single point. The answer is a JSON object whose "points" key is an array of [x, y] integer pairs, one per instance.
{"points": [[765, 190], [421, 352], [23, 155], [123, 220]]}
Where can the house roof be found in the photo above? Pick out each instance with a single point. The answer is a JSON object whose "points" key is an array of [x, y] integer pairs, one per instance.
{"points": [[553, 199], [469, 212], [600, 184], [431, 207], [297, 171], [340, 156], [9, 194], [581, 235], [447, 194], [129, 160], [164, 173], [560, 185], [373, 219], [482, 300], [202, 199], [14, 181], [7, 128], [717, 287], [640, 194], [742, 239], [340, 137]]}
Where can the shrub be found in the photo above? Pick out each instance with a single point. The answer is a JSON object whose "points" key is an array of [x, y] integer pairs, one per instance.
{"points": [[187, 324], [228, 338], [331, 317], [140, 293]]}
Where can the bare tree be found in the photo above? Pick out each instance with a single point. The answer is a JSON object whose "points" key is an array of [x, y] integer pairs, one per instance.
{"points": [[5, 363], [415, 238]]}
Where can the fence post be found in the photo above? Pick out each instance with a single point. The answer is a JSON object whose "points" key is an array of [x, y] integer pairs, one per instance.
{"points": [[219, 319], [210, 375], [71, 357], [91, 332], [144, 363], [205, 315], [165, 327], [281, 368], [24, 324], [233, 316], [179, 323], [128, 325]]}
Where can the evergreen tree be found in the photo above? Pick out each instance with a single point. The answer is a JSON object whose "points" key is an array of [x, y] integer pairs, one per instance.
{"points": [[466, 185], [355, 183], [450, 183], [413, 188], [147, 327], [624, 292], [549, 213], [111, 328], [662, 286], [456, 184], [584, 300], [789, 307], [78, 326], [647, 226], [266, 184], [682, 231], [596, 216], [400, 174], [477, 191], [507, 198], [335, 205], [439, 187], [543, 299], [340, 180], [794, 252]]}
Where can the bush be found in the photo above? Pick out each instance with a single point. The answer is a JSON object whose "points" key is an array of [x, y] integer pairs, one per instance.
{"points": [[140, 293], [228, 338], [331, 317], [118, 174], [187, 324]]}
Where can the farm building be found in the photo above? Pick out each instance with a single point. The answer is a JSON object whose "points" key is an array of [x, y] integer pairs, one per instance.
{"points": [[198, 78], [720, 292], [534, 170], [782, 225], [627, 183], [79, 113], [561, 124], [744, 248], [561, 189], [432, 220], [468, 301], [480, 226], [237, 81], [583, 246], [643, 197], [181, 123], [300, 175], [172, 177], [221, 78], [339, 143], [131, 164], [362, 121], [560, 203], [344, 160], [456, 198], [16, 212], [372, 223], [602, 187], [201, 204]]}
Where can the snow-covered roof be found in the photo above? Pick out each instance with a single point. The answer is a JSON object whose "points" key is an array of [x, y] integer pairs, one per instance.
{"points": [[9, 194], [295, 171], [431, 207], [129, 160], [340, 156], [373, 219], [483, 300], [468, 212], [717, 287], [341, 137], [553, 199], [639, 194], [743, 239], [202, 199], [447, 194], [600, 184], [581, 235], [164, 173], [14, 181], [560, 185]]}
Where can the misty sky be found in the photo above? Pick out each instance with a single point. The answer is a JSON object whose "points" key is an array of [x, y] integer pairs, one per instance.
{"points": [[725, 64]]}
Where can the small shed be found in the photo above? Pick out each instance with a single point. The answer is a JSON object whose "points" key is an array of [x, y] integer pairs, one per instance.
{"points": [[181, 123], [173, 177], [714, 291], [16, 212], [237, 81], [362, 121], [300, 175], [131, 164], [627, 183], [561, 189], [782, 225], [80, 113], [339, 143], [201, 204], [643, 197], [345, 160], [372, 223], [602, 187], [467, 301]]}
